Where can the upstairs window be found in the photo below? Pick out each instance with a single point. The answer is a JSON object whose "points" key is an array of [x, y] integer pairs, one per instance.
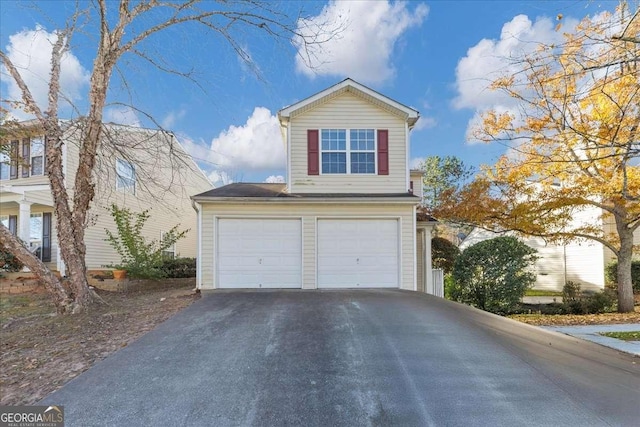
{"points": [[334, 150], [363, 151], [350, 151], [125, 175], [5, 166], [37, 156]]}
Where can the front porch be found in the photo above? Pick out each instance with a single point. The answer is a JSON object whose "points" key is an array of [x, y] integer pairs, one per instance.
{"points": [[27, 211]]}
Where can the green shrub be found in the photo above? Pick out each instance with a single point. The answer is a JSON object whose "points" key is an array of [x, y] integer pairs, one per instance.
{"points": [[575, 301], [443, 254], [451, 290], [141, 259], [178, 268], [611, 274], [8, 262], [493, 275]]}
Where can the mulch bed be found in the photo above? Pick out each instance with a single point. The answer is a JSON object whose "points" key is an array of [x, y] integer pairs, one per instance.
{"points": [[41, 351], [576, 320]]}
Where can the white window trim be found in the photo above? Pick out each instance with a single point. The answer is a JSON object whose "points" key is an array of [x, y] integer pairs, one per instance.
{"points": [[132, 186], [31, 156], [348, 151]]}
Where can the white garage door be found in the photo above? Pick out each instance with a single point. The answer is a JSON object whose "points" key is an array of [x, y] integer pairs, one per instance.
{"points": [[259, 253], [359, 253]]}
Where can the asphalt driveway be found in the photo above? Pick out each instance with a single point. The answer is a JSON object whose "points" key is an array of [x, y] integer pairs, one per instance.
{"points": [[318, 358]]}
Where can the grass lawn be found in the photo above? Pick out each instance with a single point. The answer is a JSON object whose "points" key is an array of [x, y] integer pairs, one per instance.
{"points": [[625, 336]]}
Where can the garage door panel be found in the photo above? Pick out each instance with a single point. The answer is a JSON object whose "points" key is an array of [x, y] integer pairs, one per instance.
{"points": [[259, 253], [358, 253]]}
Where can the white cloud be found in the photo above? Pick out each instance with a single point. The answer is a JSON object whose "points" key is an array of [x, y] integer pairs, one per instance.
{"points": [[275, 179], [30, 52], [363, 47], [416, 162], [121, 115], [256, 145], [172, 118], [490, 59], [425, 122], [219, 178]]}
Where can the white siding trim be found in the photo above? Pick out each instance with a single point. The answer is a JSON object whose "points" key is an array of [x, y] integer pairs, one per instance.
{"points": [[415, 253], [408, 156], [289, 156], [198, 245]]}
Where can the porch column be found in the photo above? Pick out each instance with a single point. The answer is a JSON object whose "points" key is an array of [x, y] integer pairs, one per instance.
{"points": [[24, 221], [428, 262]]}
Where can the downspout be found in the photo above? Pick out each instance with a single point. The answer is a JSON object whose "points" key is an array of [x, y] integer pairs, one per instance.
{"points": [[196, 206]]}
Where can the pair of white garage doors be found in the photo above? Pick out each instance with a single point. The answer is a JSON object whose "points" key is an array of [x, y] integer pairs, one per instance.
{"points": [[267, 253]]}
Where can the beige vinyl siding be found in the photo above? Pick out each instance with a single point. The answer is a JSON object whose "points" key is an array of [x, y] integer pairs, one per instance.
{"points": [[162, 186], [416, 178], [348, 111], [309, 213]]}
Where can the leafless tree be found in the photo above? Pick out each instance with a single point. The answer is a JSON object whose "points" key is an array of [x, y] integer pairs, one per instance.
{"points": [[123, 27]]}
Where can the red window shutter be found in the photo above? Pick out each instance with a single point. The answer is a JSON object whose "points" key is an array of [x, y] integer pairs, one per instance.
{"points": [[383, 152], [313, 153]]}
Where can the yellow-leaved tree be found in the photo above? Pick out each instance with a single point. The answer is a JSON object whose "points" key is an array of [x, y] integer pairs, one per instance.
{"points": [[574, 145]]}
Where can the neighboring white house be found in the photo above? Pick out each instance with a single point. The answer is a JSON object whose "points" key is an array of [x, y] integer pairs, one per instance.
{"points": [[136, 168], [346, 217], [582, 262]]}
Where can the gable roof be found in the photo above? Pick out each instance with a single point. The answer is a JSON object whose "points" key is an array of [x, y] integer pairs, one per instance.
{"points": [[348, 85]]}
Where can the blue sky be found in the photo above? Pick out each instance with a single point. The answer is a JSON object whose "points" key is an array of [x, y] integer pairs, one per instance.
{"points": [[436, 56]]}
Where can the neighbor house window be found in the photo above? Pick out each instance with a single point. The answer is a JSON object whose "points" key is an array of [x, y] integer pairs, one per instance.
{"points": [[35, 232], [348, 151], [125, 175], [5, 166], [37, 156], [169, 252], [4, 220]]}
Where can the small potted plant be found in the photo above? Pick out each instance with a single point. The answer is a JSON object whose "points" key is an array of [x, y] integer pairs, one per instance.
{"points": [[119, 273]]}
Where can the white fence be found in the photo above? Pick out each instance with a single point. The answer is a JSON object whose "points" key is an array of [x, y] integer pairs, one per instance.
{"points": [[438, 282]]}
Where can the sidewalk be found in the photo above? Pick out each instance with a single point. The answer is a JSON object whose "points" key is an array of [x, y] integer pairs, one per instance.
{"points": [[591, 333]]}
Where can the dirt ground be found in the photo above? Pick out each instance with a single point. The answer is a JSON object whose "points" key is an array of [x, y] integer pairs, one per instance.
{"points": [[40, 351], [577, 320]]}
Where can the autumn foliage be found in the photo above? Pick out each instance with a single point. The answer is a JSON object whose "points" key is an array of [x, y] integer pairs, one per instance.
{"points": [[573, 144]]}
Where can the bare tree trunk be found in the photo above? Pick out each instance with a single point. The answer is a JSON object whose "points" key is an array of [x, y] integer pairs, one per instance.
{"points": [[625, 255], [63, 302]]}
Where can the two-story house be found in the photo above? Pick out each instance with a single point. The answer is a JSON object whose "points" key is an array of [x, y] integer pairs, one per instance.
{"points": [[346, 217], [136, 168]]}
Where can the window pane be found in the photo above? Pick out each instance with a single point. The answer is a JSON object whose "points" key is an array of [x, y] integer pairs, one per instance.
{"points": [[4, 171], [4, 220], [363, 163], [36, 228], [362, 140], [334, 163], [125, 174], [37, 147], [334, 139], [37, 165]]}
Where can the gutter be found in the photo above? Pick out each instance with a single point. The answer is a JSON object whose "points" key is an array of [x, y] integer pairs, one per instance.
{"points": [[310, 200]]}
